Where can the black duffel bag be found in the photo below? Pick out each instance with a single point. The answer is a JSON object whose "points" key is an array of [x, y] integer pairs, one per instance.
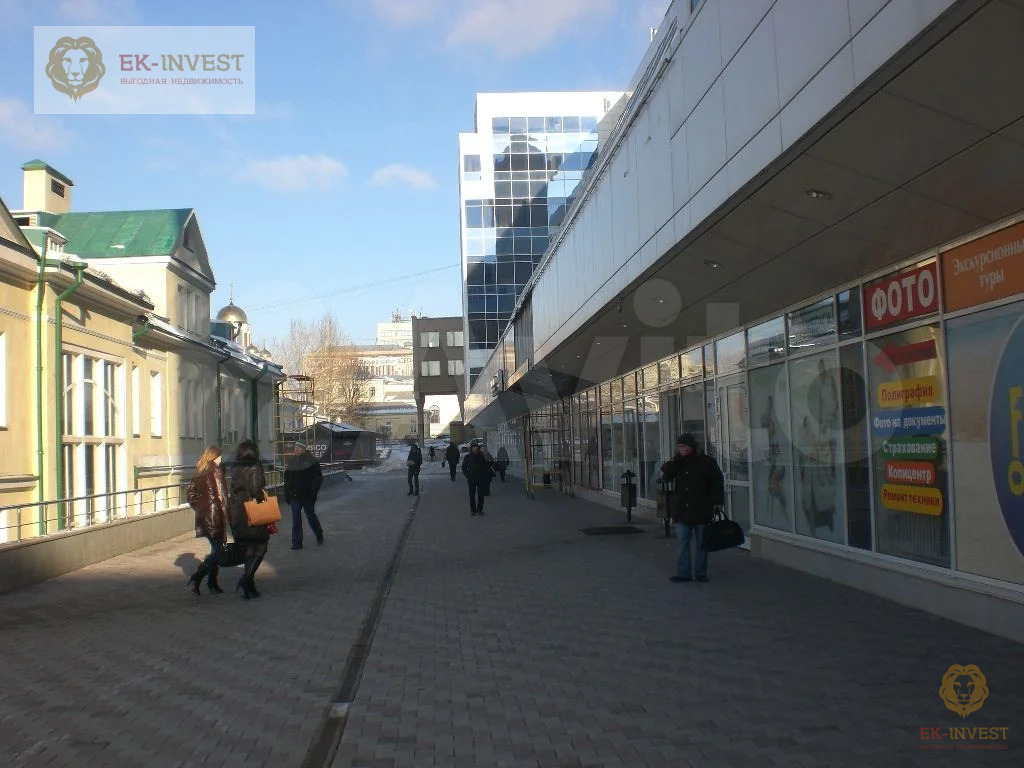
{"points": [[721, 533], [231, 554]]}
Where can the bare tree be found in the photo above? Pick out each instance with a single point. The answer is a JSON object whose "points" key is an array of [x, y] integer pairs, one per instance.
{"points": [[320, 349]]}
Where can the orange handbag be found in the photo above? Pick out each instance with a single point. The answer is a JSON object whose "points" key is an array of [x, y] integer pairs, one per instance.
{"points": [[264, 511]]}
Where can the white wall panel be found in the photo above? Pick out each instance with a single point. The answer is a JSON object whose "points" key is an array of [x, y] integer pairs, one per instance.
{"points": [[673, 87], [710, 196], [660, 172], [896, 25], [702, 56], [738, 18], [862, 11], [705, 138], [807, 36], [630, 185], [753, 158], [680, 170], [751, 88], [818, 97]]}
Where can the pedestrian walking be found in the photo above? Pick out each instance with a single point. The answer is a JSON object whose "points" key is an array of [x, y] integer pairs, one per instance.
{"points": [[698, 493], [247, 483], [490, 474], [414, 463], [208, 497], [478, 477], [451, 455], [302, 480], [501, 465], [433, 453]]}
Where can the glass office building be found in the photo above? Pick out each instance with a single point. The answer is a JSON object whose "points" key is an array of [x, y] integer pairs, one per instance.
{"points": [[518, 174]]}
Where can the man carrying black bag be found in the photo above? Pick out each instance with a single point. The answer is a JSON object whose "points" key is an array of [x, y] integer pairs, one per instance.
{"points": [[698, 494]]}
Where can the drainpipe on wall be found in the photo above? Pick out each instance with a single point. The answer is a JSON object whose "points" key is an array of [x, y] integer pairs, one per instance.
{"points": [[254, 406], [220, 404], [138, 333], [141, 331], [58, 379], [40, 442]]}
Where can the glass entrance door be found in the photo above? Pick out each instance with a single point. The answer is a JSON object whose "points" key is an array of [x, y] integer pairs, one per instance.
{"points": [[734, 455]]}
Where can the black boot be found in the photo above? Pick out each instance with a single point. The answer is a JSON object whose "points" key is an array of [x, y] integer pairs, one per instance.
{"points": [[243, 584], [211, 581], [197, 578], [252, 576]]}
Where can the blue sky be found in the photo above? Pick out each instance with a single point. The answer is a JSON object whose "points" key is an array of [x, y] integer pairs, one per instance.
{"points": [[346, 175]]}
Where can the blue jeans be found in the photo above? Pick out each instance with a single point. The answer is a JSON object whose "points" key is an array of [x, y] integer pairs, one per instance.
{"points": [[314, 522], [684, 532], [210, 561]]}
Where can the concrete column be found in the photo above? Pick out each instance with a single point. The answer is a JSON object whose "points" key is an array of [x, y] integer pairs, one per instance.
{"points": [[420, 400]]}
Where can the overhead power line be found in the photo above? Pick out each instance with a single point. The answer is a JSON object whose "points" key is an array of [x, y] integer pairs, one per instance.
{"points": [[351, 288]]}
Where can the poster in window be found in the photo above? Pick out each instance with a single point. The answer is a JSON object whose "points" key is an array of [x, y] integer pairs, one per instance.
{"points": [[986, 393], [909, 448], [770, 446], [817, 454]]}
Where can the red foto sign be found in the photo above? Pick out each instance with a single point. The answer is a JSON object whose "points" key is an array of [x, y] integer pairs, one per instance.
{"points": [[902, 296]]}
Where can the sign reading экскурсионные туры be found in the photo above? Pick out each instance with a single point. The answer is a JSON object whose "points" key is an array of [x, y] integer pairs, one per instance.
{"points": [[144, 70]]}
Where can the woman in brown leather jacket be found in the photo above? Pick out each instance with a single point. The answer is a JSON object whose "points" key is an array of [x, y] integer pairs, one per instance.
{"points": [[247, 482], [207, 496]]}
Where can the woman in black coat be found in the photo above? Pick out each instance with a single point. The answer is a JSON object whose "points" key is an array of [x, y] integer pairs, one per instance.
{"points": [[247, 483]]}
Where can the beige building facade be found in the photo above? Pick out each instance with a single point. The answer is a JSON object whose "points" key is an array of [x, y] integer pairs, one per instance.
{"points": [[111, 382]]}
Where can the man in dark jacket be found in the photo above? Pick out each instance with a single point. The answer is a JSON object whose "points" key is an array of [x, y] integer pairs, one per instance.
{"points": [[451, 455], [478, 475], [698, 493], [414, 463], [302, 481]]}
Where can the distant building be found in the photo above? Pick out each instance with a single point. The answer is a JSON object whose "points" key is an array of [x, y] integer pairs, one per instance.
{"points": [[397, 333], [439, 359]]}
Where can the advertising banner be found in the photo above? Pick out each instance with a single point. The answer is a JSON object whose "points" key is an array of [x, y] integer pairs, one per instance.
{"points": [[983, 270], [908, 432], [986, 379], [901, 296]]}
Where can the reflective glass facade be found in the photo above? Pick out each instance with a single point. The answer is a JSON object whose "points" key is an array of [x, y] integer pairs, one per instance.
{"points": [[519, 175]]}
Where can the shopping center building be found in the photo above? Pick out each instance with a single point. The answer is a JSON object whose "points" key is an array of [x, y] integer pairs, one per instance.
{"points": [[802, 241]]}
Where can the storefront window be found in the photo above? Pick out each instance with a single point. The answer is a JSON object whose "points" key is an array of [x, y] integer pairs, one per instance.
{"points": [[817, 432], [692, 364], [812, 326], [730, 355], [909, 450], [691, 399], [766, 343], [770, 444], [629, 386], [857, 449], [649, 378], [612, 483], [668, 370], [606, 448], [850, 325], [986, 371], [709, 360], [650, 442], [630, 453]]}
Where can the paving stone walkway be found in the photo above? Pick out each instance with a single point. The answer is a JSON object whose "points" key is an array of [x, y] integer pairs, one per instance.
{"points": [[507, 640]]}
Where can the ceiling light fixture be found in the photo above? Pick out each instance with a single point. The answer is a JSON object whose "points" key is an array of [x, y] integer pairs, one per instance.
{"points": [[818, 194], [712, 264]]}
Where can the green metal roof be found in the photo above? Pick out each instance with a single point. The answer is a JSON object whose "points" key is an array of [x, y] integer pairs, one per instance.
{"points": [[39, 165], [141, 233]]}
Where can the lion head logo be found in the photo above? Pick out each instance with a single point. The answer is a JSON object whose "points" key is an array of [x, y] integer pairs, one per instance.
{"points": [[75, 66], [963, 689]]}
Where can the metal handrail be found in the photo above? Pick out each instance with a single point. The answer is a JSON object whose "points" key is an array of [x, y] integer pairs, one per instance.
{"points": [[62, 515]]}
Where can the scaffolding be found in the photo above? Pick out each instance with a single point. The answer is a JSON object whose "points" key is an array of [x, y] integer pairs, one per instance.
{"points": [[294, 414], [547, 450]]}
